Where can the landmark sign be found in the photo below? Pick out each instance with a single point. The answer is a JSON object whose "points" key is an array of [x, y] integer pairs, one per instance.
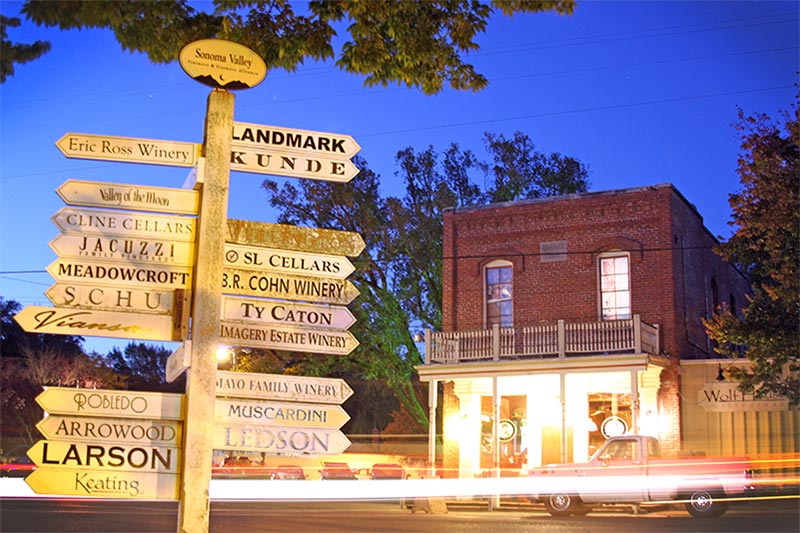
{"points": [[100, 484], [275, 312], [128, 150], [133, 249], [109, 456], [111, 298], [294, 141], [94, 323], [105, 429], [136, 197], [288, 287], [286, 237], [282, 387], [142, 275], [285, 440], [272, 413], [104, 222], [287, 261], [296, 166], [99, 402], [290, 339]]}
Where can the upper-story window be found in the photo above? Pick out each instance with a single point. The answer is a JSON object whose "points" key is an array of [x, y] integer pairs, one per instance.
{"points": [[615, 287], [499, 293]]}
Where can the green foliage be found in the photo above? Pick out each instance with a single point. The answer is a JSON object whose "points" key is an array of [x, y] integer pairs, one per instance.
{"points": [[142, 367], [408, 42], [11, 53], [766, 245]]}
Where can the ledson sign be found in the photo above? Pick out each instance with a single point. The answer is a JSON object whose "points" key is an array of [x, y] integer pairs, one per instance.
{"points": [[143, 262]]}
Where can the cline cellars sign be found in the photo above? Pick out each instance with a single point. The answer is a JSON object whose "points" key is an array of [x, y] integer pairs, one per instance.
{"points": [[222, 64]]}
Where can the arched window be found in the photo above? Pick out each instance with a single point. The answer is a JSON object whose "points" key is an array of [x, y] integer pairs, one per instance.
{"points": [[498, 294], [615, 286]]}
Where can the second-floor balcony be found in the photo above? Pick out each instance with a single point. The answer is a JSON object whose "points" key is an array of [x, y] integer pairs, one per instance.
{"points": [[558, 339]]}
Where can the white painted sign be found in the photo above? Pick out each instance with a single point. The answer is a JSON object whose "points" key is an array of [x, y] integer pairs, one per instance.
{"points": [[179, 362], [107, 297], [294, 141], [282, 387], [279, 312], [288, 287], [287, 237], [108, 456], [128, 150], [116, 403], [293, 340], [296, 166], [142, 275], [126, 249], [104, 222], [105, 429], [99, 484], [283, 440], [287, 261], [273, 413], [94, 323], [124, 196]]}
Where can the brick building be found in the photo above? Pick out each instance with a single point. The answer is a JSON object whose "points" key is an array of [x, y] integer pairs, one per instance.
{"points": [[565, 321]]}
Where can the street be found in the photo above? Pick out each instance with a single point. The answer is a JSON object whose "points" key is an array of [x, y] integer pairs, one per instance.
{"points": [[73, 515]]}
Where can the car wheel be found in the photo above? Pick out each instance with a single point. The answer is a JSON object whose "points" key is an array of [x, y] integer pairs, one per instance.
{"points": [[705, 503], [561, 504]]}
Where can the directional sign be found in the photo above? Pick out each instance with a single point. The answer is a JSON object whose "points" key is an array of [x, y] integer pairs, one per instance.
{"points": [[278, 312], [293, 141], [93, 323], [104, 429], [99, 402], [136, 197], [288, 287], [286, 237], [290, 339], [296, 166], [104, 222], [272, 413], [128, 150], [132, 249], [287, 261], [282, 387], [179, 362], [111, 298], [284, 440], [109, 456], [99, 484], [147, 275]]}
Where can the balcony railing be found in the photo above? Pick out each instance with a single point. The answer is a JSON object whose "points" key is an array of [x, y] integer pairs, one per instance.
{"points": [[560, 339]]}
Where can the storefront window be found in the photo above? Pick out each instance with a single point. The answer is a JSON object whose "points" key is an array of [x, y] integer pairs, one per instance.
{"points": [[499, 292]]}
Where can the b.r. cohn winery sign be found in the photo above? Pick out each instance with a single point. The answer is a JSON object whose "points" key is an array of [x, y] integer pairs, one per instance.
{"points": [[222, 64]]}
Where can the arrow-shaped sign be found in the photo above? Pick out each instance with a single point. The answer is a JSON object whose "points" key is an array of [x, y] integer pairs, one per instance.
{"points": [[104, 222], [288, 287], [282, 387], [179, 362], [287, 237], [136, 274], [285, 440], [109, 456], [111, 298], [289, 339], [272, 413], [278, 312], [287, 261], [123, 196], [94, 323], [294, 141], [122, 403], [277, 164], [128, 150], [105, 429], [136, 250], [99, 484]]}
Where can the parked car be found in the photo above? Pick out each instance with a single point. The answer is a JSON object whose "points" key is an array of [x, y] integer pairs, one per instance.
{"points": [[387, 471], [630, 470], [332, 470], [288, 472]]}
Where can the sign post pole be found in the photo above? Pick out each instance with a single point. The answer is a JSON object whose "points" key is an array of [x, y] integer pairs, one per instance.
{"points": [[193, 514]]}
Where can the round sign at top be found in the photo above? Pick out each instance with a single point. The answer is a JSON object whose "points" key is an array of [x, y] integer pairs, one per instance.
{"points": [[222, 64]]}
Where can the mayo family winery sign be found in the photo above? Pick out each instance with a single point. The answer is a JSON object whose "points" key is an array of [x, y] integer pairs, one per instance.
{"points": [[222, 64], [282, 387]]}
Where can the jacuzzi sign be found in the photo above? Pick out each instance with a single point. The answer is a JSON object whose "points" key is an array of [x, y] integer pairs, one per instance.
{"points": [[725, 397], [223, 64]]}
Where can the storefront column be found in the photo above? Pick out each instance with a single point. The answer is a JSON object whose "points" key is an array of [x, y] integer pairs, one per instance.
{"points": [[563, 399], [494, 500], [433, 396], [634, 402]]}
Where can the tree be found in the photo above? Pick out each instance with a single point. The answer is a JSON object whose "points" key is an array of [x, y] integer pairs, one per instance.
{"points": [[143, 367], [766, 246], [11, 53], [408, 42]]}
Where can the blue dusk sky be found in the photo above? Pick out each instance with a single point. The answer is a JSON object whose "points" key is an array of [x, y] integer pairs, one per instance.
{"points": [[641, 92]]}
